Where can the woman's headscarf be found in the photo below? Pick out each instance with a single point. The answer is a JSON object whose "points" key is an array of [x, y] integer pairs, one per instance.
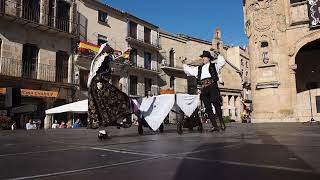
{"points": [[97, 61]]}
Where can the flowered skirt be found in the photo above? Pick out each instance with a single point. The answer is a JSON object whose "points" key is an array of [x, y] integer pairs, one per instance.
{"points": [[107, 104]]}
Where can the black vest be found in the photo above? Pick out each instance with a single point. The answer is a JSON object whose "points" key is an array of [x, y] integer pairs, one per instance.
{"points": [[212, 70]]}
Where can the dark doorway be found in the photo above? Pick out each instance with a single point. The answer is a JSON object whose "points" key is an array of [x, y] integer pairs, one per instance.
{"points": [[308, 67]]}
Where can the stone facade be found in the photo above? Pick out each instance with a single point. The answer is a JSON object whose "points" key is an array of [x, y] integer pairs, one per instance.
{"points": [[30, 47], [115, 29], [280, 39]]}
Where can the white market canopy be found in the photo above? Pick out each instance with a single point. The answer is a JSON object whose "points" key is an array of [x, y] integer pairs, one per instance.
{"points": [[76, 107]]}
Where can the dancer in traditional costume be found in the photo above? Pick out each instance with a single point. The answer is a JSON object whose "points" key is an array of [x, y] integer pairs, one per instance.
{"points": [[207, 75], [107, 104]]}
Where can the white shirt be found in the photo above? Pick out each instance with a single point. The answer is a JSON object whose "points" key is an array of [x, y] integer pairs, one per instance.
{"points": [[30, 126], [193, 71], [55, 126]]}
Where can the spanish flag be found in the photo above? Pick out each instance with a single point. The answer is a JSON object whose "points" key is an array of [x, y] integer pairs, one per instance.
{"points": [[89, 46]]}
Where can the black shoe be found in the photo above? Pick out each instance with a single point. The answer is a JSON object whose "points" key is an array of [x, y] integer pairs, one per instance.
{"points": [[223, 128], [215, 129]]}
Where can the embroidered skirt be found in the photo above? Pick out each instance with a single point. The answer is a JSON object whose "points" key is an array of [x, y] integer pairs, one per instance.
{"points": [[107, 104]]}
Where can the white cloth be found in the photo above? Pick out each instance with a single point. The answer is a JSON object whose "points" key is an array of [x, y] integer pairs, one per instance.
{"points": [[76, 107], [188, 103], [193, 71], [30, 126], [155, 109], [55, 126]]}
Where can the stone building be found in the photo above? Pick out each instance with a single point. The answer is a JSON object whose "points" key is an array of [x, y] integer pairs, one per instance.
{"points": [[239, 57], [36, 58], [100, 23], [284, 42], [175, 48]]}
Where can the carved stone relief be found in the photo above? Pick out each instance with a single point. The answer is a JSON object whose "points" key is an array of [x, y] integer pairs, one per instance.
{"points": [[281, 23], [262, 19], [266, 14]]}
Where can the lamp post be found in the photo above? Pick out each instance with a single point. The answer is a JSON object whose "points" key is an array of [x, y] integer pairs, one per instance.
{"points": [[311, 86]]}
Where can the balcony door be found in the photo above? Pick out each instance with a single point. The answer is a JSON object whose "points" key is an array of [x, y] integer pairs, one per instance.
{"points": [[133, 56], [147, 60], [63, 15], [171, 57], [148, 85], [133, 29], [133, 85], [30, 61], [62, 59], [147, 35], [31, 10]]}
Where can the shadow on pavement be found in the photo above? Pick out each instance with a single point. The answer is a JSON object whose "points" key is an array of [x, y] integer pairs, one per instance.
{"points": [[269, 160]]}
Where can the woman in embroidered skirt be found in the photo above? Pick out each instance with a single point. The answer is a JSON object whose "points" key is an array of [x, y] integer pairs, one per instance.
{"points": [[107, 104]]}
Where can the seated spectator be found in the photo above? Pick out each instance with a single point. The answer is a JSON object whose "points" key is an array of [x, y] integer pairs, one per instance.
{"points": [[63, 125], [76, 124], [30, 126], [55, 125], [69, 124]]}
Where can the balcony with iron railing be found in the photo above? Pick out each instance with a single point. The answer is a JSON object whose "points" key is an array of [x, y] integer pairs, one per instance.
{"points": [[37, 17], [147, 40], [166, 65], [25, 70]]}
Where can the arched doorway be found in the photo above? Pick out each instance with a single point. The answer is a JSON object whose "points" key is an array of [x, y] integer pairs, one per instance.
{"points": [[308, 81]]}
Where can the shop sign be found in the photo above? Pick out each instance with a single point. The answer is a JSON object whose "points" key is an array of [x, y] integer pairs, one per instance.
{"points": [[38, 93], [3, 90]]}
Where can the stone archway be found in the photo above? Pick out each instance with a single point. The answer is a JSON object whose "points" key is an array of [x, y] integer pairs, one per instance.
{"points": [[307, 80]]}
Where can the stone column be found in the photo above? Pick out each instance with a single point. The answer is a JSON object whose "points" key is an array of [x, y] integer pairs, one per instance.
{"points": [[49, 118], [238, 107], [70, 68], [73, 18], [292, 79], [225, 105], [44, 10], [232, 106]]}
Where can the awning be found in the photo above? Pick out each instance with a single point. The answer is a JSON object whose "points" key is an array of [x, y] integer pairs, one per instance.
{"points": [[76, 107]]}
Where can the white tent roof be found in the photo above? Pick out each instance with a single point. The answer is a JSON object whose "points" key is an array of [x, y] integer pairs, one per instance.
{"points": [[76, 107]]}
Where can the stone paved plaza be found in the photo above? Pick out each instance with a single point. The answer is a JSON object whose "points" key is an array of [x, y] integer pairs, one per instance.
{"points": [[244, 151]]}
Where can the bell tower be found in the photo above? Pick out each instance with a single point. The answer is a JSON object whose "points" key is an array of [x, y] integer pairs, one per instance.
{"points": [[217, 44]]}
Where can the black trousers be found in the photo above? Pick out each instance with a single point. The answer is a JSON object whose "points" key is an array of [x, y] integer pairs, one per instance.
{"points": [[210, 95]]}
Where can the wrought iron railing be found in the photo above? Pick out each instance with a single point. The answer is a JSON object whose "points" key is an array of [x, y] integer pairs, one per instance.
{"points": [[27, 70], [2, 6], [31, 14], [37, 15], [166, 63], [140, 36]]}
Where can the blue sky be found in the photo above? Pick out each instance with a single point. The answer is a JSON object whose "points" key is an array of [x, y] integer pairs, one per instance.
{"points": [[196, 18]]}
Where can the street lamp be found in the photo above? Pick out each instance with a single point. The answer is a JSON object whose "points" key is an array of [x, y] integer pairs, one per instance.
{"points": [[309, 87]]}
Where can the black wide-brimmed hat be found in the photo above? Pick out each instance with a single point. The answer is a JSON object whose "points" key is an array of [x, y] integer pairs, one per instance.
{"points": [[207, 54]]}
